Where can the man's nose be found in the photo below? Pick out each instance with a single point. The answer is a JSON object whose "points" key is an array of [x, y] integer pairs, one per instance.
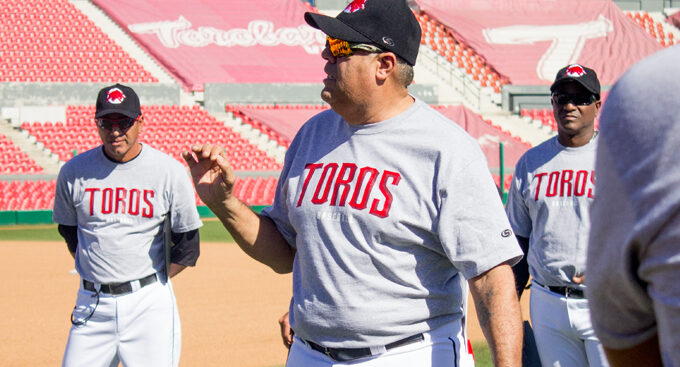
{"points": [[327, 55]]}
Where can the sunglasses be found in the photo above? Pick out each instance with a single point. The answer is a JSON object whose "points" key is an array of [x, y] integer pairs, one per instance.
{"points": [[576, 99], [340, 48], [123, 124]]}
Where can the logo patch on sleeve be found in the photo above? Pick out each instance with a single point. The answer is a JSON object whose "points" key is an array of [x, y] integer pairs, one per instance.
{"points": [[506, 233]]}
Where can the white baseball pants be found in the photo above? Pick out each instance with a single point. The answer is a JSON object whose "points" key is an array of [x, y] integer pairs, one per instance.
{"points": [[137, 329], [563, 331], [442, 347]]}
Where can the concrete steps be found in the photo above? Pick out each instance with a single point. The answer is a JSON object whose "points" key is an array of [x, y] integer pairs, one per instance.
{"points": [[253, 135], [532, 132], [37, 152]]}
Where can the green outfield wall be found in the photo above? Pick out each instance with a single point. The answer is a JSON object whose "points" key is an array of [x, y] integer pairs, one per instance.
{"points": [[14, 217]]}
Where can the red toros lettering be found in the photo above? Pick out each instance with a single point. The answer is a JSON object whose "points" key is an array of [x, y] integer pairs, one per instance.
{"points": [[580, 183], [344, 183], [133, 204], [553, 180], [348, 184], [539, 177], [369, 186], [312, 168], [395, 177], [566, 181], [332, 167], [91, 190], [148, 211], [107, 198], [120, 198]]}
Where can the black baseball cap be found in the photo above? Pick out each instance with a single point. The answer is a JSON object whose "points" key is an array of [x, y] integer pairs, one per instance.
{"points": [[388, 24], [580, 74], [118, 98]]}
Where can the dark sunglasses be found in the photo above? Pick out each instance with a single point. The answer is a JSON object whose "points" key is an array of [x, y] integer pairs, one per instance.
{"points": [[340, 48], [123, 124], [576, 99]]}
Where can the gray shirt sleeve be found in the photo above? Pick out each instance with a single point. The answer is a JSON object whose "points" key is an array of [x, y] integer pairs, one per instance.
{"points": [[634, 258]]}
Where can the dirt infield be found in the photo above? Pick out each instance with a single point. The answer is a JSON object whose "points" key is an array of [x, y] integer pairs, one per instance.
{"points": [[228, 305]]}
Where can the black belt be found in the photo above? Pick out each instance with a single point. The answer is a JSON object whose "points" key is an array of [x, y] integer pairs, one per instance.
{"points": [[568, 292], [120, 288], [348, 354]]}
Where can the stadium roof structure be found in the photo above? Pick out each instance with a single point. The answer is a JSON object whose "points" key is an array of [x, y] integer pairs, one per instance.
{"points": [[528, 41]]}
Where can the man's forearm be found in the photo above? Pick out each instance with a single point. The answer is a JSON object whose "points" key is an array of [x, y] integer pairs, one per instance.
{"points": [[256, 235], [499, 314]]}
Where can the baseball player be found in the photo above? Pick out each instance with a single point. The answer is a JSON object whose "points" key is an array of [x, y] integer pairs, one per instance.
{"points": [[548, 206], [111, 204], [383, 209], [633, 272]]}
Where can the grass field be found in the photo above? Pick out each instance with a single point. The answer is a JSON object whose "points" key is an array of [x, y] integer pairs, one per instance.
{"points": [[212, 231]]}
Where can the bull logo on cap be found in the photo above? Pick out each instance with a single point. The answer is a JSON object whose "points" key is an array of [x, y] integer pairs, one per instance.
{"points": [[575, 71], [115, 96], [355, 5]]}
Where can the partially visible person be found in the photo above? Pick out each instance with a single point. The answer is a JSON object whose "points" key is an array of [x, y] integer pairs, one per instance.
{"points": [[548, 207], [112, 203], [633, 263], [383, 209], [286, 332]]}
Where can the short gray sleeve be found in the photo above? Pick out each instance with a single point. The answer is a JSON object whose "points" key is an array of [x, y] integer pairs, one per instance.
{"points": [[517, 211], [184, 215], [64, 212], [474, 229]]}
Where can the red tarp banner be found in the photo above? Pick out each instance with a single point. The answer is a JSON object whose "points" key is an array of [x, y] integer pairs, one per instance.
{"points": [[487, 136], [286, 123], [214, 41], [528, 41]]}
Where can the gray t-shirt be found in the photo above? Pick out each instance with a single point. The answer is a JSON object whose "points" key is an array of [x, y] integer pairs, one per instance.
{"points": [[633, 273], [119, 209], [386, 218], [549, 201]]}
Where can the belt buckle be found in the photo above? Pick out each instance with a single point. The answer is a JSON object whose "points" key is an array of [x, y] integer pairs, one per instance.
{"points": [[573, 292]]}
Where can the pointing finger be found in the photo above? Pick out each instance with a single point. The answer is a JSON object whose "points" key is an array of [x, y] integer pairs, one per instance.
{"points": [[189, 158]]}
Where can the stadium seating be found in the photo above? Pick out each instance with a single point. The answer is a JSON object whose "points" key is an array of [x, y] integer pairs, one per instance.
{"points": [[52, 41], [278, 122], [39, 194], [545, 116], [654, 28], [27, 195], [15, 161], [439, 39], [170, 129]]}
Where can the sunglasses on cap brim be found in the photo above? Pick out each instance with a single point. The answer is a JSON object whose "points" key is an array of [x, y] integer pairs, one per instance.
{"points": [[123, 123], [582, 99], [340, 48]]}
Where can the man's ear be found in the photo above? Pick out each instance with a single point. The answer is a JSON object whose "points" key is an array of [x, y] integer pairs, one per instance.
{"points": [[387, 62]]}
